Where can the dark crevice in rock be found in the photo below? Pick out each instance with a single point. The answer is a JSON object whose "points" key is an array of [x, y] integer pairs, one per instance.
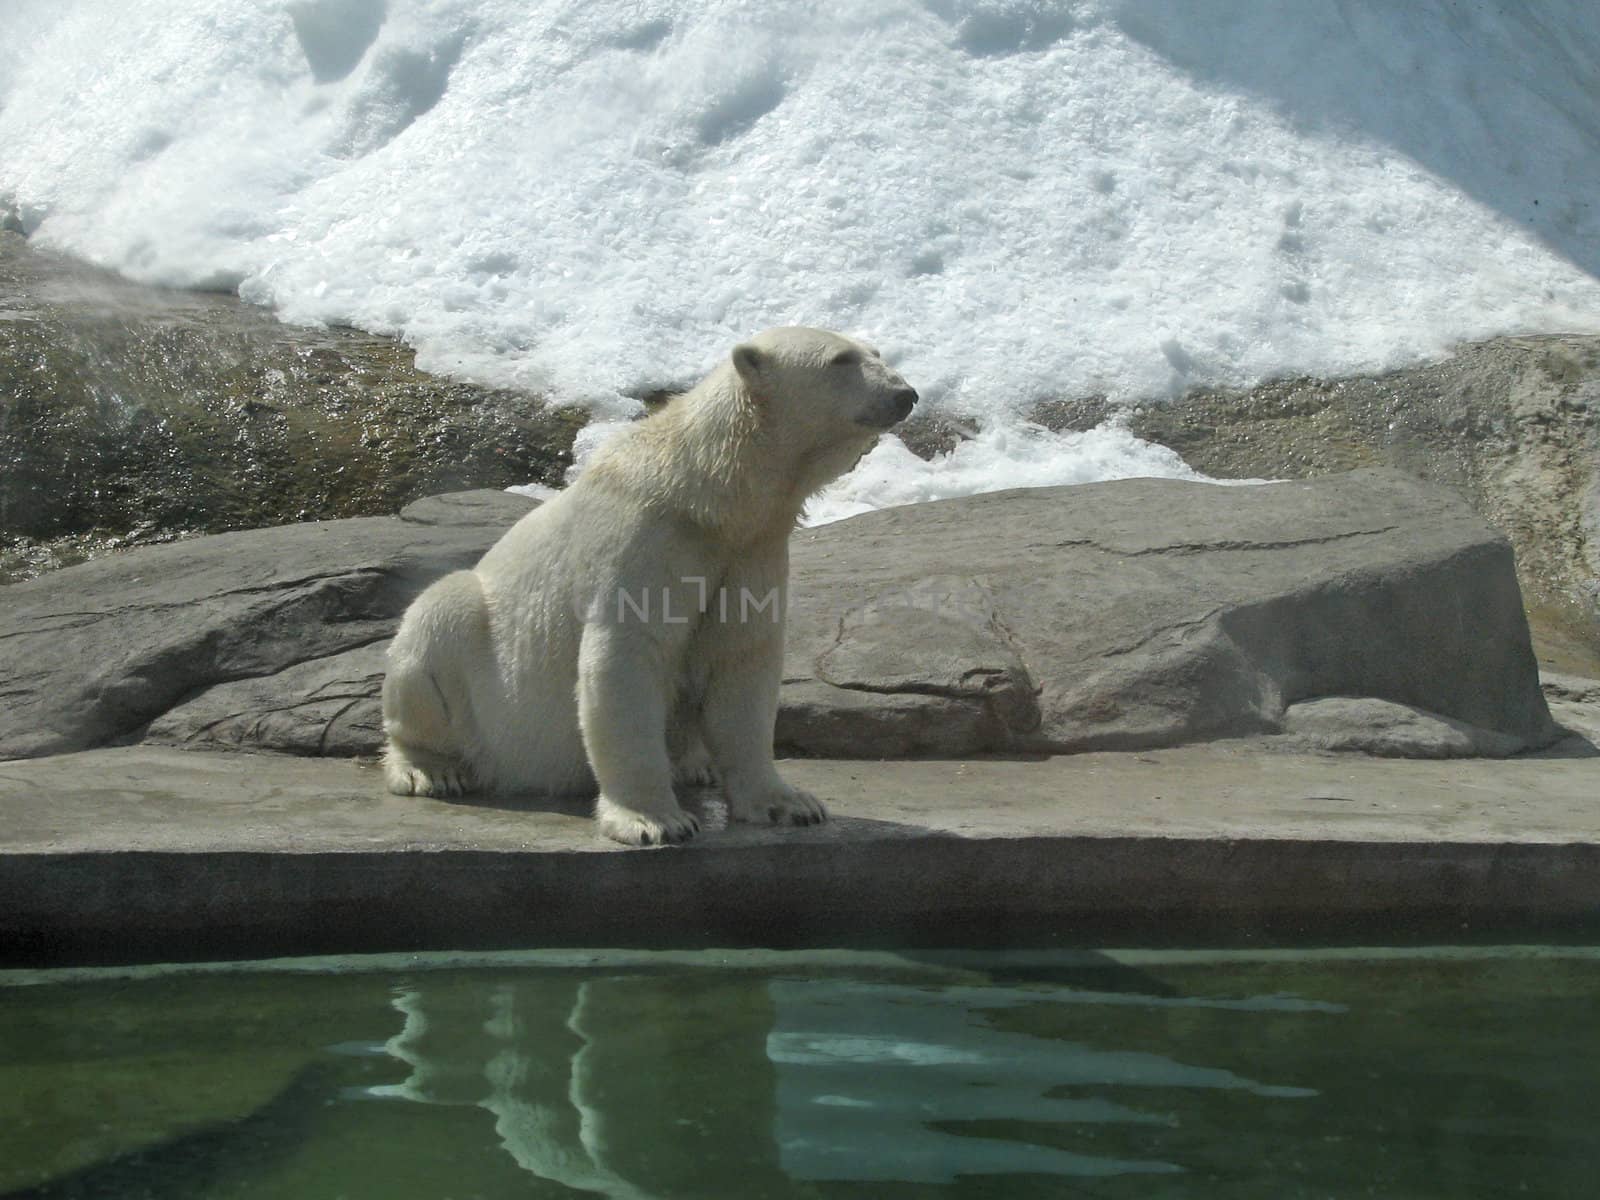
{"points": [[1226, 544]]}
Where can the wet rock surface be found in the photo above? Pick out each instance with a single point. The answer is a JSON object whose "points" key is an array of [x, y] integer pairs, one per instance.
{"points": [[134, 414], [1141, 613]]}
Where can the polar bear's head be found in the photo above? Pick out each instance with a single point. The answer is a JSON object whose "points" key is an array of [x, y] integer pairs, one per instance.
{"points": [[825, 386]]}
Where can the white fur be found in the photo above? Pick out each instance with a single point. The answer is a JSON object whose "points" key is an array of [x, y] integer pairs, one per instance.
{"points": [[630, 631]]}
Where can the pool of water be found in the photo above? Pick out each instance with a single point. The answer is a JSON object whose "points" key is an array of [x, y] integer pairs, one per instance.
{"points": [[1390, 1073]]}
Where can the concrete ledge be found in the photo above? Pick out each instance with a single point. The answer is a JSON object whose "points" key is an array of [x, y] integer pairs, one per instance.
{"points": [[146, 854]]}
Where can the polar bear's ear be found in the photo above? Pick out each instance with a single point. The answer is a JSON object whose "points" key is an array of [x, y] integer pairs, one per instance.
{"points": [[749, 362]]}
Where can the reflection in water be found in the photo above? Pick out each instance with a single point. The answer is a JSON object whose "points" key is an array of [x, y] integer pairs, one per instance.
{"points": [[524, 1064], [629, 1086], [623, 1086]]}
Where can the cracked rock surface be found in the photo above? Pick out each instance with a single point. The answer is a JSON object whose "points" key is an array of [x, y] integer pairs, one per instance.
{"points": [[1138, 613], [1150, 612], [252, 638]]}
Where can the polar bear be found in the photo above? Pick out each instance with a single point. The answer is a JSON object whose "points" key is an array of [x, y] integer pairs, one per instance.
{"points": [[629, 631]]}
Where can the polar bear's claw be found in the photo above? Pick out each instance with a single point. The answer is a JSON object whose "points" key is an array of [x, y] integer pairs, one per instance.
{"points": [[442, 780], [791, 806], [798, 808], [796, 816]]}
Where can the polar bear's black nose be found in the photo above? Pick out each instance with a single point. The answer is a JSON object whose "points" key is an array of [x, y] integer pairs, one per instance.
{"points": [[904, 400]]}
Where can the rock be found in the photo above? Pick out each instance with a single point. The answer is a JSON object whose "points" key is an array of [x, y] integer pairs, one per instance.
{"points": [[486, 506], [831, 722], [1388, 730], [151, 854], [1572, 688], [92, 653], [1153, 612], [1140, 613], [325, 706], [137, 414], [1575, 704]]}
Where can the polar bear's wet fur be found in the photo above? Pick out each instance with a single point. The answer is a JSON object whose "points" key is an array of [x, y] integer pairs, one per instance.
{"points": [[629, 632]]}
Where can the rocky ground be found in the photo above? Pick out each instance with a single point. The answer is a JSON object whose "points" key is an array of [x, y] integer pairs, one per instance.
{"points": [[136, 415], [151, 854], [1238, 673], [1366, 611]]}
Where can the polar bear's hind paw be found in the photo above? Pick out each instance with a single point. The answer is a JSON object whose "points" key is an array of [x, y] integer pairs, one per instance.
{"points": [[694, 769]]}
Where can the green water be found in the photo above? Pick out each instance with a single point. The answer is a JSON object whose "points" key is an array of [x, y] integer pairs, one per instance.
{"points": [[1445, 1073]]}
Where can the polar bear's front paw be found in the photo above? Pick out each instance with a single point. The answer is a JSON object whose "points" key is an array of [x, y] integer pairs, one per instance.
{"points": [[783, 805], [634, 828], [442, 779]]}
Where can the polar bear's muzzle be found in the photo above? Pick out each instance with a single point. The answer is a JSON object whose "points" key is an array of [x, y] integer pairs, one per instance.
{"points": [[895, 407]]}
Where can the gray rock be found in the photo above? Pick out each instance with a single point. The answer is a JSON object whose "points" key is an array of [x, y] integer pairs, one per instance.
{"points": [[1152, 612], [1575, 704], [323, 707], [1576, 689], [92, 653], [1388, 730], [329, 705], [1133, 614], [484, 507]]}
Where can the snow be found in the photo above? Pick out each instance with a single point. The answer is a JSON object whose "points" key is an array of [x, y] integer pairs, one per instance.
{"points": [[1016, 199]]}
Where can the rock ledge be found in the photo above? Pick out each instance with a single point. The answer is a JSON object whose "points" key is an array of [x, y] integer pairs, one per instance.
{"points": [[1361, 611]]}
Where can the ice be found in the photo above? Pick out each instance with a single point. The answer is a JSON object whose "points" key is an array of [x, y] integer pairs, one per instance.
{"points": [[1016, 199]]}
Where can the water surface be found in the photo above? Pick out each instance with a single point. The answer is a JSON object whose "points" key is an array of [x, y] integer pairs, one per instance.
{"points": [[1444, 1073]]}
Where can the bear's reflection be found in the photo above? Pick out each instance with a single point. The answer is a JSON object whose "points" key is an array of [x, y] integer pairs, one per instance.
{"points": [[671, 1085], [630, 1086]]}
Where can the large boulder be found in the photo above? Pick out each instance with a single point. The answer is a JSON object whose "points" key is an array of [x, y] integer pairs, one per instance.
{"points": [[1119, 615], [93, 653], [1150, 612]]}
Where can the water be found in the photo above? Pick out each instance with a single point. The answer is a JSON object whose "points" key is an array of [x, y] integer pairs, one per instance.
{"points": [[1017, 199], [1420, 1073]]}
